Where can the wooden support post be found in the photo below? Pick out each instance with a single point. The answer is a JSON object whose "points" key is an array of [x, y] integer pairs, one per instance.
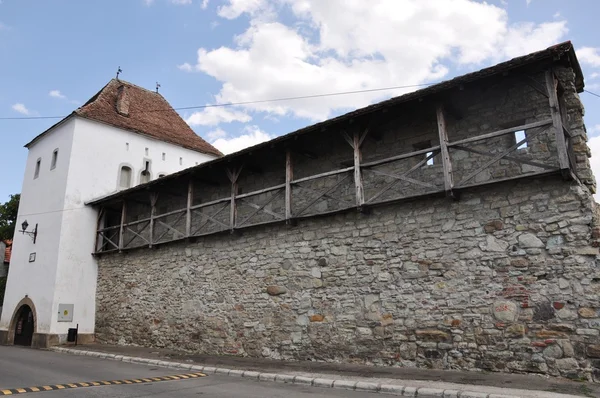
{"points": [[561, 146], [122, 228], [153, 200], [445, 154], [188, 214], [289, 176], [233, 177], [358, 183], [99, 226]]}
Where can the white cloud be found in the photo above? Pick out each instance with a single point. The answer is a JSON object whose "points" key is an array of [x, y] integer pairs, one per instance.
{"points": [[185, 67], [324, 50], [528, 2], [594, 130], [589, 56], [18, 107], [215, 134], [594, 144], [181, 2], [148, 3], [56, 94], [235, 8], [204, 4], [216, 115], [594, 75], [557, 15], [252, 136]]}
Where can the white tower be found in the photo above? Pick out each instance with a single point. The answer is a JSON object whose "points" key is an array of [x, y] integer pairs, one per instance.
{"points": [[123, 136]]}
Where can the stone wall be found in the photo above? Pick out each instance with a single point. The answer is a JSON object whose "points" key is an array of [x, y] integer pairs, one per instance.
{"points": [[504, 279]]}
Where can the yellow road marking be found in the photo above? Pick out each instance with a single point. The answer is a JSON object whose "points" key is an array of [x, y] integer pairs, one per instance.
{"points": [[13, 391]]}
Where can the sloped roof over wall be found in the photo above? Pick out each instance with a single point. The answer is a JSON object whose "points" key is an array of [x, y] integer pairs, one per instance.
{"points": [[130, 107], [563, 53]]}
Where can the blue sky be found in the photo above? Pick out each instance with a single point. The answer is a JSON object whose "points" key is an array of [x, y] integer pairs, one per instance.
{"points": [[54, 55]]}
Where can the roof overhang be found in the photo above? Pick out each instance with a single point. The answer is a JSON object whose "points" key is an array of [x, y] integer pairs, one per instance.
{"points": [[563, 52]]}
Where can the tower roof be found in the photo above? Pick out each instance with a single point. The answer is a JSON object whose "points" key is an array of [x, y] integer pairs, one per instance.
{"points": [[127, 106]]}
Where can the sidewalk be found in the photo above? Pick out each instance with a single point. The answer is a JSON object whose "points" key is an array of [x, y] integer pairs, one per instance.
{"points": [[483, 384]]}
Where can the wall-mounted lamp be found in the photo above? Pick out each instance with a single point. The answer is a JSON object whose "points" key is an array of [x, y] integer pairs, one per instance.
{"points": [[33, 233]]}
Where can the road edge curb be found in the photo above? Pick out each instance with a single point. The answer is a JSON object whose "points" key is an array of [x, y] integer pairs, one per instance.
{"points": [[387, 389]]}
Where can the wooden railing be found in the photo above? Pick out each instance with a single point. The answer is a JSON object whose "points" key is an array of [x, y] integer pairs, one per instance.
{"points": [[363, 184]]}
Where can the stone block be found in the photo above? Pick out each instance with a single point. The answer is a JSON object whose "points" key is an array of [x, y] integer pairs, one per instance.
{"points": [[324, 383], [276, 290], [344, 384], [430, 392], [367, 386], [587, 312], [593, 350], [528, 240], [432, 335], [567, 364], [391, 389], [317, 318], [505, 311]]}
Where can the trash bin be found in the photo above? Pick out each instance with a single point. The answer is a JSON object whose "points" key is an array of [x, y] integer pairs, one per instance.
{"points": [[72, 335]]}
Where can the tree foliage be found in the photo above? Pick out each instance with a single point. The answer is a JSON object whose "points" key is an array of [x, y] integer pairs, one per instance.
{"points": [[8, 217]]}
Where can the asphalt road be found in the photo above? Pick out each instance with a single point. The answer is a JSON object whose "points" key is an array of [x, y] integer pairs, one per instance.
{"points": [[25, 367]]}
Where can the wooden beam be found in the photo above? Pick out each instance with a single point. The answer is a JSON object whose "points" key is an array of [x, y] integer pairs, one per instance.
{"points": [[258, 208], [326, 174], [233, 175], [501, 132], [289, 176], [153, 200], [188, 208], [400, 157], [121, 229], [403, 175], [323, 194], [512, 158], [98, 222], [497, 158], [445, 154], [561, 146], [358, 183]]}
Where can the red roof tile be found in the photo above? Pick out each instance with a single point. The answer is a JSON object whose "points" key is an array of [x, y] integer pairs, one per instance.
{"points": [[142, 111], [130, 107]]}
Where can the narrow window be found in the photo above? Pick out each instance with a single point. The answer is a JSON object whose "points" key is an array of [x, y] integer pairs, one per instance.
{"points": [[181, 161], [54, 159], [127, 146], [164, 156], [125, 177], [146, 151], [38, 164], [430, 160], [161, 175], [425, 145], [520, 135]]}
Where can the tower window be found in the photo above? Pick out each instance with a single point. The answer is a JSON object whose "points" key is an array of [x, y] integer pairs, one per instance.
{"points": [[146, 151], [181, 161], [127, 146], [164, 156], [125, 177], [54, 159], [38, 164]]}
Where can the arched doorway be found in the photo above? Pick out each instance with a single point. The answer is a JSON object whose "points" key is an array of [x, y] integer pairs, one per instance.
{"points": [[24, 326]]}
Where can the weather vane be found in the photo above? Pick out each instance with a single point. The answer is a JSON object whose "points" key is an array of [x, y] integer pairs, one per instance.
{"points": [[157, 86], [119, 70]]}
